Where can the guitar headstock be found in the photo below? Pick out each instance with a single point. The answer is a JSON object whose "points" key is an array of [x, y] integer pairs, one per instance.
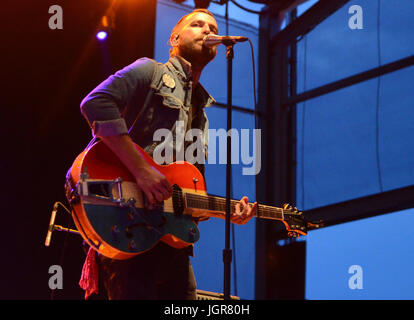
{"points": [[294, 221]]}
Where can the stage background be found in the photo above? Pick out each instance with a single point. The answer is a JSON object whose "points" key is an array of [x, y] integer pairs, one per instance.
{"points": [[351, 143]]}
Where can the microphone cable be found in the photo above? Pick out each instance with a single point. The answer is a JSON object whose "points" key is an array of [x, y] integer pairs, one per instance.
{"points": [[255, 126], [254, 84]]}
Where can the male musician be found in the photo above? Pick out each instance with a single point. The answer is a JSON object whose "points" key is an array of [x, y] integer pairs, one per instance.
{"points": [[162, 95]]}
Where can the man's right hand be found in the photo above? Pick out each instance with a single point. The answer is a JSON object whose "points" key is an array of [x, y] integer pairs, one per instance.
{"points": [[153, 184], [150, 181]]}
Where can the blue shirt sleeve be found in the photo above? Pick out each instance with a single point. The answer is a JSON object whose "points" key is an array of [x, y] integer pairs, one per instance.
{"points": [[103, 106]]}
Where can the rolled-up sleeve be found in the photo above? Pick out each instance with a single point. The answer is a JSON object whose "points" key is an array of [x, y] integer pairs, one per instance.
{"points": [[103, 106]]}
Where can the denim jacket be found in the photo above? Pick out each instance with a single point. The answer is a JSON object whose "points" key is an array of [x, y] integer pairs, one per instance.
{"points": [[113, 106]]}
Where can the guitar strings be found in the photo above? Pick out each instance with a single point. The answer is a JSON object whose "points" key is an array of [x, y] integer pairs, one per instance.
{"points": [[207, 201]]}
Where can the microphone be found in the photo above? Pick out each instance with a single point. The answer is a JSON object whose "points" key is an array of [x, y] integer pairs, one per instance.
{"points": [[214, 40], [51, 224]]}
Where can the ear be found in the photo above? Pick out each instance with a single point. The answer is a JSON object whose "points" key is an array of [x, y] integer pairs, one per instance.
{"points": [[174, 39]]}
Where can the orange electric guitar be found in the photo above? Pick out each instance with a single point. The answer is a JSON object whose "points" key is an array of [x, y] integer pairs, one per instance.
{"points": [[108, 208]]}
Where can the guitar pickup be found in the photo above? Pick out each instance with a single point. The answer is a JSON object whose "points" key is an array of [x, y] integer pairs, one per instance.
{"points": [[178, 203]]}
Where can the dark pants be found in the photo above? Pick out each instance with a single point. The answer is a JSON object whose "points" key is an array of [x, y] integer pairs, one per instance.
{"points": [[162, 273]]}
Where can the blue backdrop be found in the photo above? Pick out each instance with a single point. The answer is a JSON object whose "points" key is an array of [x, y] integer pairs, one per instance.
{"points": [[351, 143], [357, 142]]}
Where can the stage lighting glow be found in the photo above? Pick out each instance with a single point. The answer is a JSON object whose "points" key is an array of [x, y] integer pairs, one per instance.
{"points": [[101, 35]]}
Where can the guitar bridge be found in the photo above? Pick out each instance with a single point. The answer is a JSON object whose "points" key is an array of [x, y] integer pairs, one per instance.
{"points": [[101, 189]]}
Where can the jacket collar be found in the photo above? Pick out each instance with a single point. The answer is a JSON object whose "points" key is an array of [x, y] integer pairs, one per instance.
{"points": [[183, 68]]}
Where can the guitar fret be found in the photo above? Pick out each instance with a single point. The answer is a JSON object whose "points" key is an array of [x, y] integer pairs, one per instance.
{"points": [[208, 203]]}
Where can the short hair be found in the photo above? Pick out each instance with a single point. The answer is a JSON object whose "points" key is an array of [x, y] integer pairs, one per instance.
{"points": [[189, 14], [183, 18]]}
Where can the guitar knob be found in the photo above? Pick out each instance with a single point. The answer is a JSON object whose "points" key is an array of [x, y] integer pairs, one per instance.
{"points": [[130, 216], [132, 245], [191, 232], [128, 233]]}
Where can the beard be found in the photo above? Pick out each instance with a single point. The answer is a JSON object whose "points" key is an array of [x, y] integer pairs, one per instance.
{"points": [[198, 56]]}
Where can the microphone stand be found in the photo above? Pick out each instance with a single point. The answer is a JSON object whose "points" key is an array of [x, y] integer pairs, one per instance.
{"points": [[227, 253]]}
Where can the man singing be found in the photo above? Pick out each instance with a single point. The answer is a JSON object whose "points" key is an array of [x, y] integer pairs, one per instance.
{"points": [[146, 96]]}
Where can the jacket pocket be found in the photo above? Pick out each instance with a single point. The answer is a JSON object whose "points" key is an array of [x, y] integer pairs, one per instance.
{"points": [[171, 101]]}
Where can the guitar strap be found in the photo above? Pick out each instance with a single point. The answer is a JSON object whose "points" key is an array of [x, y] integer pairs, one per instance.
{"points": [[153, 87]]}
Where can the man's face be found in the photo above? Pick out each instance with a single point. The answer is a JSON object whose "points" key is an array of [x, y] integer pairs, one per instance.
{"points": [[188, 38]]}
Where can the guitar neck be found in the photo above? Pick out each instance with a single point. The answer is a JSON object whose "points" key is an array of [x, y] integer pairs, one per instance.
{"points": [[216, 206]]}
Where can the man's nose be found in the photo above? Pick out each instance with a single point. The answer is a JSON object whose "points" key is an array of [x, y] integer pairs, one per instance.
{"points": [[206, 29]]}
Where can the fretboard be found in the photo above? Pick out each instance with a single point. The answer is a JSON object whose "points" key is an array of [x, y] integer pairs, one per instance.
{"points": [[212, 203]]}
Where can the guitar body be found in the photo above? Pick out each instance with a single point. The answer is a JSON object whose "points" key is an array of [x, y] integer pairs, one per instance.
{"points": [[119, 229]]}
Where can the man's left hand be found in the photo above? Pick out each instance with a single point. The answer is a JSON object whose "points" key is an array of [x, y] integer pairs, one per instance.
{"points": [[244, 212]]}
